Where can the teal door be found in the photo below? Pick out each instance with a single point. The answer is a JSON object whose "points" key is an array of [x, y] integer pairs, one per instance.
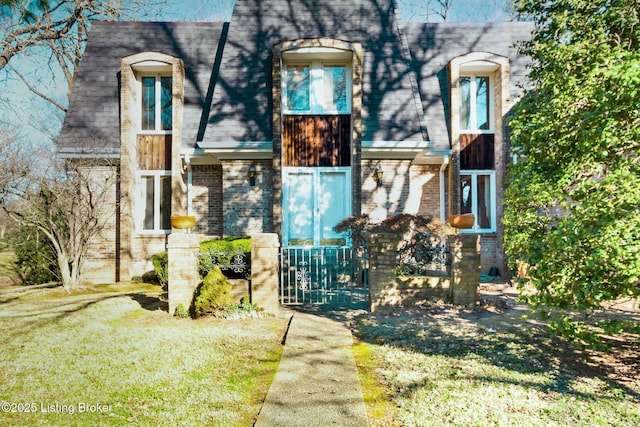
{"points": [[315, 199]]}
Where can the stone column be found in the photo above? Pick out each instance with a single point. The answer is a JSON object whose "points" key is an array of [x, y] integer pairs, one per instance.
{"points": [[383, 261], [183, 269], [265, 251], [465, 268]]}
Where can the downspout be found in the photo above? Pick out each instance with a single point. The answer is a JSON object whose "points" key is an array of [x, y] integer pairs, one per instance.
{"points": [[187, 164], [443, 166]]}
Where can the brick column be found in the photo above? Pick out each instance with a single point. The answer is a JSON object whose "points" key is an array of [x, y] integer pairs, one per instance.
{"points": [[265, 251], [382, 264], [183, 269], [465, 268]]}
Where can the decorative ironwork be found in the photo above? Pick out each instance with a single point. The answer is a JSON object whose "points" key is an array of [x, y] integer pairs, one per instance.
{"points": [[236, 261], [424, 254], [323, 275]]}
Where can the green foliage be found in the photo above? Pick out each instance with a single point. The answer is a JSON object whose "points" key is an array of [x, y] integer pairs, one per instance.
{"points": [[232, 250], [213, 296], [181, 311], [161, 266], [572, 207], [35, 258]]}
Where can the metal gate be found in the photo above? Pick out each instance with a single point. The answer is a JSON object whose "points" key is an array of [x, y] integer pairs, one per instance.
{"points": [[324, 275]]}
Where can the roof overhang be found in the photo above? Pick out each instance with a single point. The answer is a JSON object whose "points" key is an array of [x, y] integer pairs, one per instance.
{"points": [[419, 152], [235, 150]]}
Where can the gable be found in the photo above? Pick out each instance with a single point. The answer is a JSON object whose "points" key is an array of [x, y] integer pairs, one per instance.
{"points": [[94, 110]]}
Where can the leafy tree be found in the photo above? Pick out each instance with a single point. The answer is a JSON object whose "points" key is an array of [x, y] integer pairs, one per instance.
{"points": [[572, 207]]}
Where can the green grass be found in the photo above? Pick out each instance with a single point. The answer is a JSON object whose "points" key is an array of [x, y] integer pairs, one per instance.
{"points": [[438, 370], [112, 346]]}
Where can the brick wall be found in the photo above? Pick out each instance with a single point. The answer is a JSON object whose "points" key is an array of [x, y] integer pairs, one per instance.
{"points": [[206, 199], [100, 262], [247, 209], [406, 188], [459, 286]]}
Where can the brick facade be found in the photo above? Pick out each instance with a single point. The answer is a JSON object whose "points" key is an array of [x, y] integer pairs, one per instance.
{"points": [[406, 188], [206, 199]]}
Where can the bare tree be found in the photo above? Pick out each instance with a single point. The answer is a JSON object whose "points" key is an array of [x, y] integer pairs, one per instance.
{"points": [[56, 31], [67, 201]]}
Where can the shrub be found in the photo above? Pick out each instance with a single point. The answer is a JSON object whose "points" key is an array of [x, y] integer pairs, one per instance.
{"points": [[161, 266], [232, 254], [213, 296], [35, 258]]}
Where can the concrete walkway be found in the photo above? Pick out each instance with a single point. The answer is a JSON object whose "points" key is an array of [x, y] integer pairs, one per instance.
{"points": [[316, 383]]}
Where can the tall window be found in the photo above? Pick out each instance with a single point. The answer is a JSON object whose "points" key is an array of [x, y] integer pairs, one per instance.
{"points": [[477, 194], [155, 196], [475, 103], [316, 88], [156, 103]]}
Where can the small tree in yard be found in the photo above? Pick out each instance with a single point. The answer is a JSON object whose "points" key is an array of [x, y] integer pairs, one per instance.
{"points": [[572, 207], [65, 202]]}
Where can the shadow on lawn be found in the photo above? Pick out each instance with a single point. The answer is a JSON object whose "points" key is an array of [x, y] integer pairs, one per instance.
{"points": [[504, 340], [32, 307]]}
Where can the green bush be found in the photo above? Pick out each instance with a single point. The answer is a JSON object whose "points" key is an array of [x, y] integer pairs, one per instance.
{"points": [[223, 253], [213, 296], [35, 258], [161, 266]]}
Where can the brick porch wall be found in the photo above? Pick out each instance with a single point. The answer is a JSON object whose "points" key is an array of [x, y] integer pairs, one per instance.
{"points": [[247, 209], [406, 188], [206, 199]]}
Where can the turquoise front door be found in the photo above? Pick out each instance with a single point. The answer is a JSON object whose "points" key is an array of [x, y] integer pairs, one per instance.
{"points": [[315, 199]]}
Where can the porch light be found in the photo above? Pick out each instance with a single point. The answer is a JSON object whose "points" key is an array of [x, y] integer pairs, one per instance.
{"points": [[378, 176], [252, 175]]}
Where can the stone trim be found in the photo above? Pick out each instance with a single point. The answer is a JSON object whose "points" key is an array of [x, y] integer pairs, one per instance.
{"points": [[356, 116], [128, 131]]}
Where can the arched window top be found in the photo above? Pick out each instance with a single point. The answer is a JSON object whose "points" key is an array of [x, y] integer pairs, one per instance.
{"points": [[483, 62], [150, 59]]}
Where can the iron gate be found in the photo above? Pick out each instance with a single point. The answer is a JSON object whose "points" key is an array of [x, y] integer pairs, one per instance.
{"points": [[324, 275]]}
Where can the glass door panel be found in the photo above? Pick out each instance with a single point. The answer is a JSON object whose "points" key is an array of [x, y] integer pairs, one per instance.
{"points": [[315, 199], [299, 208]]}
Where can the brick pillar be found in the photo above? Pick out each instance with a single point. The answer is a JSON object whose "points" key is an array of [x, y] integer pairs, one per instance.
{"points": [[183, 269], [383, 260], [265, 251], [465, 268]]}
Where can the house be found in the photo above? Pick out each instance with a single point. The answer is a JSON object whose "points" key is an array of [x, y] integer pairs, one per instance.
{"points": [[289, 118]]}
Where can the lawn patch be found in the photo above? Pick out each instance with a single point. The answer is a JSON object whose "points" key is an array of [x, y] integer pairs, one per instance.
{"points": [[64, 352]]}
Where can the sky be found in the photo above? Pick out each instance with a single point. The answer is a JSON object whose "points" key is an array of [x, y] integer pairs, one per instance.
{"points": [[38, 120]]}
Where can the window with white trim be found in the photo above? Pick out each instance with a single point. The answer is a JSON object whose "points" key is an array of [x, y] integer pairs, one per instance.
{"points": [[476, 103], [156, 108], [478, 196], [155, 198], [316, 87]]}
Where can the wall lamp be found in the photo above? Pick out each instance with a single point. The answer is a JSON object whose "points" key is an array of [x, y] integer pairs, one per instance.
{"points": [[377, 176], [252, 175]]}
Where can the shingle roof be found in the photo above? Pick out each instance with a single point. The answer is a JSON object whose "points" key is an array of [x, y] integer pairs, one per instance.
{"points": [[241, 107], [433, 46], [94, 107], [236, 106]]}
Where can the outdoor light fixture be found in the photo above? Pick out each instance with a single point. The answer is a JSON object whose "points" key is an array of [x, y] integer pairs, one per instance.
{"points": [[252, 175], [378, 176]]}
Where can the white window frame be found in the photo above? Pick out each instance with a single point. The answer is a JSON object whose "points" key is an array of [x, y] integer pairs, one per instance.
{"points": [[473, 128], [316, 86], [158, 109], [141, 201], [474, 201]]}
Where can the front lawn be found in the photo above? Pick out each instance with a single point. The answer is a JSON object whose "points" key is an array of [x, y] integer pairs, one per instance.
{"points": [[441, 366], [110, 356]]}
